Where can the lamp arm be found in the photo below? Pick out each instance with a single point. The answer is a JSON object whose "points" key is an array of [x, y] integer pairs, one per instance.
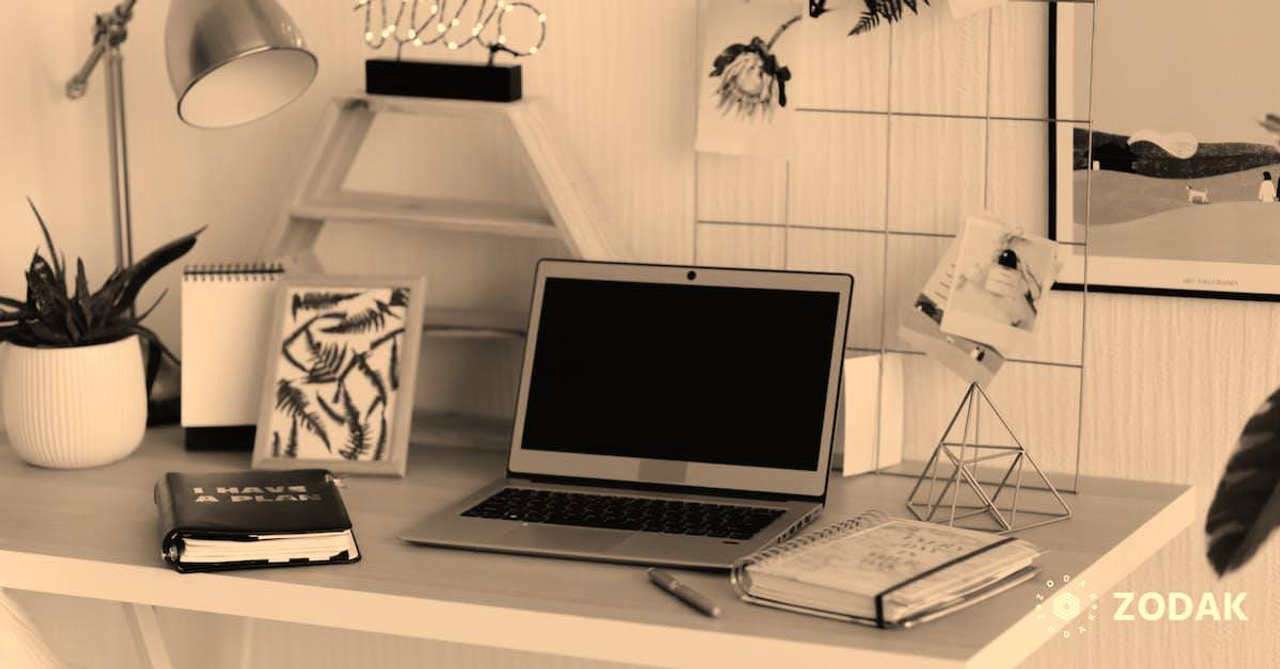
{"points": [[109, 31]]}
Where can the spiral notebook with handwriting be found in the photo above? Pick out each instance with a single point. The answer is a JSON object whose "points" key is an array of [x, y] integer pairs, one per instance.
{"points": [[883, 571], [226, 320]]}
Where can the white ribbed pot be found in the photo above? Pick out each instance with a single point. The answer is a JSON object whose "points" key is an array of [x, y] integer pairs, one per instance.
{"points": [[71, 408]]}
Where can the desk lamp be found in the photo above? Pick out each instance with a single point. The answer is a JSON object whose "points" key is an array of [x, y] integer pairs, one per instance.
{"points": [[230, 62]]}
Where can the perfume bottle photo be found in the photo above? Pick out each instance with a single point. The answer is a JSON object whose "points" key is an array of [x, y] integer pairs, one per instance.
{"points": [[1002, 280]]}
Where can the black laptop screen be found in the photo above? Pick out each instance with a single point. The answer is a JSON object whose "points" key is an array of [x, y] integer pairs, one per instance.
{"points": [[734, 376]]}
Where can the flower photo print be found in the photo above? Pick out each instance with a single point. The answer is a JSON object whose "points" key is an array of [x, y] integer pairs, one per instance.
{"points": [[743, 101]]}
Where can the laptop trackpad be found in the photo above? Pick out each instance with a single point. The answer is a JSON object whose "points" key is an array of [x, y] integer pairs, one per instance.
{"points": [[564, 539]]}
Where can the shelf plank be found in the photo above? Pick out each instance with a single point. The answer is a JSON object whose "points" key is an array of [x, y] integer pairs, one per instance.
{"points": [[452, 215], [394, 104], [444, 322], [451, 430]]}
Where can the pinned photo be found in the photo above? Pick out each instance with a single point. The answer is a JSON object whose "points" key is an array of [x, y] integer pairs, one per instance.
{"points": [[921, 328], [1001, 277]]}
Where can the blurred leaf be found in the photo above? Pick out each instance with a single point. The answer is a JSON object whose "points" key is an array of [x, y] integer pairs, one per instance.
{"points": [[1246, 506], [319, 301], [357, 431], [328, 410], [293, 403], [382, 437], [291, 449], [400, 297], [888, 10], [375, 379], [394, 372], [372, 319]]}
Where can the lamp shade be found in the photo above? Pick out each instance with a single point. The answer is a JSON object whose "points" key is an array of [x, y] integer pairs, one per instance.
{"points": [[234, 61]]}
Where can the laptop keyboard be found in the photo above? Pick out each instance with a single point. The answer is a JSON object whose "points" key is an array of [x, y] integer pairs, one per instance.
{"points": [[625, 513]]}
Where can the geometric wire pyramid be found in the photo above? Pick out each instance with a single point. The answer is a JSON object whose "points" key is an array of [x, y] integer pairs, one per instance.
{"points": [[952, 464]]}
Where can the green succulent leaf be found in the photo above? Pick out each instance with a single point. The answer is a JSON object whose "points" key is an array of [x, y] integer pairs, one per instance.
{"points": [[58, 268], [54, 316], [142, 271], [81, 301], [143, 316]]}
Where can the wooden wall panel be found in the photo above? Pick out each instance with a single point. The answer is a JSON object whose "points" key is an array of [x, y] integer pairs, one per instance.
{"points": [[939, 66], [838, 175], [741, 189], [748, 246], [836, 71], [1017, 179], [937, 173], [1019, 60]]}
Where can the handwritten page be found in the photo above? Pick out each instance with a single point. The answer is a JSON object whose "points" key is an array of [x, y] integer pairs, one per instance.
{"points": [[874, 560]]}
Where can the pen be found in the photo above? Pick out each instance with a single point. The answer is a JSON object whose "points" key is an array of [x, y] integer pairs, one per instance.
{"points": [[684, 593]]}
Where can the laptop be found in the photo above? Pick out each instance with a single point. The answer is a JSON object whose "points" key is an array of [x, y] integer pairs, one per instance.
{"points": [[666, 415]]}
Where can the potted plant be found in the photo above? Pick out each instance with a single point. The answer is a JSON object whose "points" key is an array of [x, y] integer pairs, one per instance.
{"points": [[74, 389]]}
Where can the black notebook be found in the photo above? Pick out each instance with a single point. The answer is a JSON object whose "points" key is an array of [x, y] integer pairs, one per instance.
{"points": [[237, 520]]}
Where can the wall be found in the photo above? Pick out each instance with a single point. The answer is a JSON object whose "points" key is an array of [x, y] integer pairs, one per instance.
{"points": [[1167, 383]]}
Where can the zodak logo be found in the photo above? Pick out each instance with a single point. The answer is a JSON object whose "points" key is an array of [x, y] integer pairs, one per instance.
{"points": [[1060, 603], [1179, 606]]}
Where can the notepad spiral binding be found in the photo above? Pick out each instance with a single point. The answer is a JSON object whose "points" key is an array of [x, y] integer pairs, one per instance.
{"points": [[254, 271], [863, 520]]}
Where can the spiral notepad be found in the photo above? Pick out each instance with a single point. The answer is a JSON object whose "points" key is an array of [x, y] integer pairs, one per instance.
{"points": [[882, 571], [226, 315]]}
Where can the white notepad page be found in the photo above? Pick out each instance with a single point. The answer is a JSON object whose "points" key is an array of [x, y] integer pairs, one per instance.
{"points": [[226, 319]]}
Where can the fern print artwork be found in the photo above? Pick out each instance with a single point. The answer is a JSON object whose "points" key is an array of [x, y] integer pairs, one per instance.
{"points": [[338, 373]]}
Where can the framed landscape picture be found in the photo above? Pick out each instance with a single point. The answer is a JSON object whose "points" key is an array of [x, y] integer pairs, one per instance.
{"points": [[1167, 173], [338, 388]]}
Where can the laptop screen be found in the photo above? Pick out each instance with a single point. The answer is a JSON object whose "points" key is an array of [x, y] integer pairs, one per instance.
{"points": [[694, 373]]}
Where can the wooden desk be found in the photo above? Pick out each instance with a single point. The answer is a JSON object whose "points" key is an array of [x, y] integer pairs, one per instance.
{"points": [[94, 534]]}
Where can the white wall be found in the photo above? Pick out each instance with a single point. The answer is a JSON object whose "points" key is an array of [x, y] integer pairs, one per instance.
{"points": [[1167, 383]]}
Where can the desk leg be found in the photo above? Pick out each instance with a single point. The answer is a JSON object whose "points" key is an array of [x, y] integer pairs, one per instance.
{"points": [[146, 634], [247, 626]]}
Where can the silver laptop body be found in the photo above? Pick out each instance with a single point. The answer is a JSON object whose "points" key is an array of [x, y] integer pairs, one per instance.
{"points": [[693, 384]]}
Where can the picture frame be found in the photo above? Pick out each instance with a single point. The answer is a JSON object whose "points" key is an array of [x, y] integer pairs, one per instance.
{"points": [[1154, 189], [338, 390]]}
